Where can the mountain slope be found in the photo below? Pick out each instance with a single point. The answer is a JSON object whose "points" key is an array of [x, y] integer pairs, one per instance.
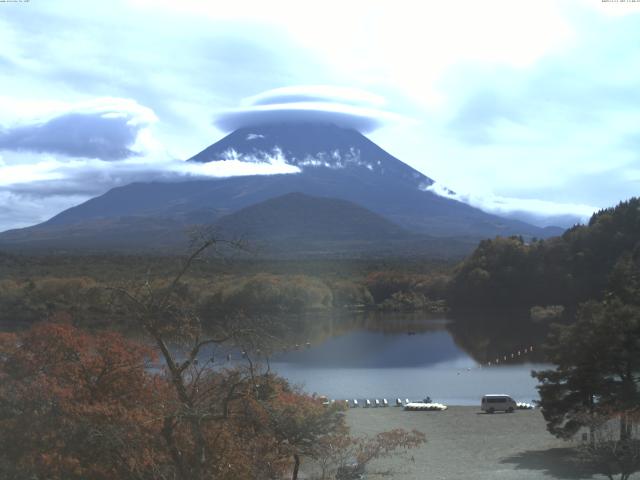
{"points": [[291, 225], [300, 217], [334, 162]]}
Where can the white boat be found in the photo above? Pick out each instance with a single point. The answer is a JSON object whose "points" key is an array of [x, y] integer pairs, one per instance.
{"points": [[425, 407]]}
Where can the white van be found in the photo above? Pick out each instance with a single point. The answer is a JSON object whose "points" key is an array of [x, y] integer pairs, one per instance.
{"points": [[497, 402]]}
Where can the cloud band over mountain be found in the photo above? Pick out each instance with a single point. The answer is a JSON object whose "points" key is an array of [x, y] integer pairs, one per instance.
{"points": [[344, 107], [537, 212]]}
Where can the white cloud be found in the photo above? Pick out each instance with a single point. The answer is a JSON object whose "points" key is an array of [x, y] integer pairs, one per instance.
{"points": [[266, 164], [345, 107], [408, 45], [541, 212], [19, 210], [316, 93], [89, 175]]}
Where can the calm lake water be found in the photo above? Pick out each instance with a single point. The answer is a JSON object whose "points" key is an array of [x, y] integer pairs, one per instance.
{"points": [[389, 355], [392, 355]]}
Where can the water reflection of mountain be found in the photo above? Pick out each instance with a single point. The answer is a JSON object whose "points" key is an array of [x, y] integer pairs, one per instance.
{"points": [[376, 339], [370, 339], [367, 349]]}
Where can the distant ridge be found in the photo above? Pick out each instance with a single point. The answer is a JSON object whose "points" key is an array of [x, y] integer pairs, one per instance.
{"points": [[296, 216], [334, 162], [291, 225]]}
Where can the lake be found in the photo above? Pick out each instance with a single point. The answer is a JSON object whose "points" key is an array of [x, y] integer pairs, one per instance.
{"points": [[389, 355]]}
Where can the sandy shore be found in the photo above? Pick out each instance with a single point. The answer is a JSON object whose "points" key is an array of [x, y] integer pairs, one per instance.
{"points": [[463, 443]]}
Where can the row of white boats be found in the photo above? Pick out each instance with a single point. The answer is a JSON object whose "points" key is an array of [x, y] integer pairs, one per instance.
{"points": [[425, 406]]}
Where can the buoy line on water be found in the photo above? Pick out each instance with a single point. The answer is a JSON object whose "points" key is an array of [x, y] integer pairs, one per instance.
{"points": [[500, 359], [507, 357]]}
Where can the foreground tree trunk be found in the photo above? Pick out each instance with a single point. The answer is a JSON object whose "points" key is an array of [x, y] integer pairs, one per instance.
{"points": [[296, 466]]}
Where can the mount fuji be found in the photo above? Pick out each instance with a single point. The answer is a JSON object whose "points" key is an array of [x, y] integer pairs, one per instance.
{"points": [[334, 163]]}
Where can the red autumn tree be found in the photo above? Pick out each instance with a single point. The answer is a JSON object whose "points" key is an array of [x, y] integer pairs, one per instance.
{"points": [[75, 405], [299, 423]]}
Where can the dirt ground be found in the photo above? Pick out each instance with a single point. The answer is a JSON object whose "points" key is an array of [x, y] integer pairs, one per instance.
{"points": [[463, 443]]}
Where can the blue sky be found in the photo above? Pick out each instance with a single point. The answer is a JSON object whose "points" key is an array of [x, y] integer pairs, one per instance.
{"points": [[529, 106]]}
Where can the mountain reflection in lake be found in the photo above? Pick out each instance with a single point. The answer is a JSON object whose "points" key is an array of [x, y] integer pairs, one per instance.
{"points": [[392, 355]]}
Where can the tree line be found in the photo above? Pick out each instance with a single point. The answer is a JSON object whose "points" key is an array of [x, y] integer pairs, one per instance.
{"points": [[565, 270], [28, 299]]}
